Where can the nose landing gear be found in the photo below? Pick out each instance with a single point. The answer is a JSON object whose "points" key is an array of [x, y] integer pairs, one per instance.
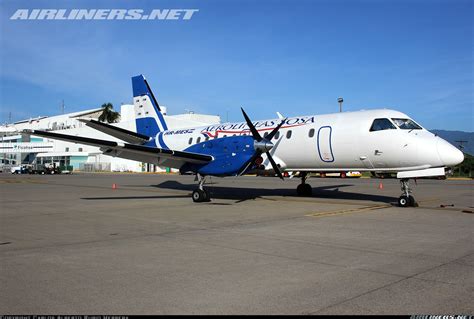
{"points": [[201, 194], [304, 189], [406, 199]]}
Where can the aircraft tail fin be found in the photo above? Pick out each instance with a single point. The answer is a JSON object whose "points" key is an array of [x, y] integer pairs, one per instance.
{"points": [[148, 113]]}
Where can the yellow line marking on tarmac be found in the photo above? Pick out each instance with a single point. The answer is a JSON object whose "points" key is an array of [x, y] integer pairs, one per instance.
{"points": [[313, 200], [348, 211]]}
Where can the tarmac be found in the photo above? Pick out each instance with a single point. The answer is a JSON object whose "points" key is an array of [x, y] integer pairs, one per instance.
{"points": [[71, 244]]}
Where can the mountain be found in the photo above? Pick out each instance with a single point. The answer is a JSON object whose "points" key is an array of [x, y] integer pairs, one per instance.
{"points": [[453, 136]]}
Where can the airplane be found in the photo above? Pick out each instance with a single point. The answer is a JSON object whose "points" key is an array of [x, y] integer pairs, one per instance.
{"points": [[380, 140]]}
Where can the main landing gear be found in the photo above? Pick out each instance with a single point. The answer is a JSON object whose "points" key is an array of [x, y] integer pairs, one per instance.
{"points": [[406, 199], [304, 189], [201, 194]]}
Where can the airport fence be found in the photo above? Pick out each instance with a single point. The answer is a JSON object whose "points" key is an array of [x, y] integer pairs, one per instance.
{"points": [[94, 167]]}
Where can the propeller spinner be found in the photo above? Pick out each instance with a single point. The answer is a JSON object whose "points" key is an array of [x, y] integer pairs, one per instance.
{"points": [[263, 144]]}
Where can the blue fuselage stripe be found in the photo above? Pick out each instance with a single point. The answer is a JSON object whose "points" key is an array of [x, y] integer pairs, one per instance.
{"points": [[161, 141]]}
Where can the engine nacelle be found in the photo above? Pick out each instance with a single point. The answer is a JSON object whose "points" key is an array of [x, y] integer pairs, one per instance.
{"points": [[230, 154]]}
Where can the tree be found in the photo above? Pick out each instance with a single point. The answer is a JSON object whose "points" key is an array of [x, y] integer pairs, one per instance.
{"points": [[108, 114], [466, 167]]}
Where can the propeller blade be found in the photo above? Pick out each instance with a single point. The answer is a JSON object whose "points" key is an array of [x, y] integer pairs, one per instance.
{"points": [[274, 165], [275, 130], [258, 138], [252, 128]]}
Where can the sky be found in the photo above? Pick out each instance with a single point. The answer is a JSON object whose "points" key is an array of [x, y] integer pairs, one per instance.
{"points": [[294, 57]]}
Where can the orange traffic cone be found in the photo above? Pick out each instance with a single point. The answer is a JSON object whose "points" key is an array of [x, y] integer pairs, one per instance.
{"points": [[380, 185], [114, 186]]}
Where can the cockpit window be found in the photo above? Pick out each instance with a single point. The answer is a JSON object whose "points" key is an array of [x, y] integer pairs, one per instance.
{"points": [[382, 124], [406, 124]]}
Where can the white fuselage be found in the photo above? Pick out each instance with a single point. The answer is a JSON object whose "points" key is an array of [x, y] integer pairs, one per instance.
{"points": [[334, 142]]}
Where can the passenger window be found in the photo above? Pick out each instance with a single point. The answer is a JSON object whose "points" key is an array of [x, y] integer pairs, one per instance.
{"points": [[311, 132], [265, 134], [190, 141], [277, 135], [406, 124], [382, 124], [198, 140], [288, 134], [207, 138]]}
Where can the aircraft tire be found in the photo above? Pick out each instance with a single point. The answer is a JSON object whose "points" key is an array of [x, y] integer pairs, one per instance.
{"points": [[304, 190], [411, 201], [198, 196], [207, 196], [404, 201]]}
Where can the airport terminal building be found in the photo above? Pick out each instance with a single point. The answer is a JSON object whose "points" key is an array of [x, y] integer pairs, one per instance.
{"points": [[17, 148]]}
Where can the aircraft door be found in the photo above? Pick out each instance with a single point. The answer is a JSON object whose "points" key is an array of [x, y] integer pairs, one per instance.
{"points": [[324, 144]]}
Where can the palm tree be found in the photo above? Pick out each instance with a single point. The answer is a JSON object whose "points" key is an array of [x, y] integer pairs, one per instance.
{"points": [[108, 114]]}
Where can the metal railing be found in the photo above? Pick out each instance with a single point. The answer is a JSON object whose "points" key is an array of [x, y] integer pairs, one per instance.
{"points": [[95, 167]]}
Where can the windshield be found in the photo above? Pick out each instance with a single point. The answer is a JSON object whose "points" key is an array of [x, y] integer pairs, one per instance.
{"points": [[382, 124], [406, 124]]}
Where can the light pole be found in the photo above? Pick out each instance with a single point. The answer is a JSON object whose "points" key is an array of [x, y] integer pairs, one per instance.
{"points": [[461, 148], [340, 100]]}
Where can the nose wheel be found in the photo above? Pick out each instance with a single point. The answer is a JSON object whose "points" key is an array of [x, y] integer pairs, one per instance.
{"points": [[201, 194], [303, 189], [406, 199]]}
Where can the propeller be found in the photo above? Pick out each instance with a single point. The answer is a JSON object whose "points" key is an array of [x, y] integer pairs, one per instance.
{"points": [[263, 144]]}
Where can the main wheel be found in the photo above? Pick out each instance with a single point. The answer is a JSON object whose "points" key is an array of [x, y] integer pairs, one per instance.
{"points": [[304, 190], [411, 201], [207, 195], [198, 196], [404, 201]]}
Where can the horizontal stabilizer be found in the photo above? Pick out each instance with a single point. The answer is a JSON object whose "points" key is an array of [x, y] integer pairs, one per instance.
{"points": [[120, 133], [438, 171], [131, 151]]}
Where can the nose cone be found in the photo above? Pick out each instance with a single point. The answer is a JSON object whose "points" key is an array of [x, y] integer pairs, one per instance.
{"points": [[448, 154]]}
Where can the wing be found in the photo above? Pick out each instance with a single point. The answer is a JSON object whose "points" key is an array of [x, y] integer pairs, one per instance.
{"points": [[157, 156], [120, 133]]}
